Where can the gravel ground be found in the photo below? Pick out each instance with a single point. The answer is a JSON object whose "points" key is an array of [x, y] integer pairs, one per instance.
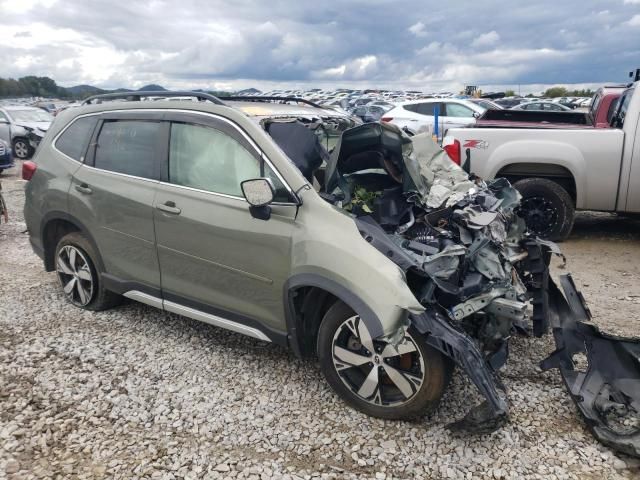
{"points": [[138, 393]]}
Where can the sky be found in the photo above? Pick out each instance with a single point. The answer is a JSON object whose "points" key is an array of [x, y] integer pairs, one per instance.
{"points": [[226, 45]]}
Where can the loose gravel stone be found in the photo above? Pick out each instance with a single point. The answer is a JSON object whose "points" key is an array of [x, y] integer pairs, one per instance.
{"points": [[134, 392]]}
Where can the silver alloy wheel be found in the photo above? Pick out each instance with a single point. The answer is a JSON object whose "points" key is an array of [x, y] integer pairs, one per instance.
{"points": [[21, 149], [378, 372], [75, 276]]}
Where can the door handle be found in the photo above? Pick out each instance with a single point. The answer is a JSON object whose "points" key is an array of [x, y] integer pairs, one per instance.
{"points": [[169, 207], [84, 188]]}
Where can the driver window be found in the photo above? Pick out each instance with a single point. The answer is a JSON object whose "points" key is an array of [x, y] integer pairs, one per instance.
{"points": [[208, 159]]}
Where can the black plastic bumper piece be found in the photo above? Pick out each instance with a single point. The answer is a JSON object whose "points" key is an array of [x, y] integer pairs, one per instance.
{"points": [[491, 414], [607, 390]]}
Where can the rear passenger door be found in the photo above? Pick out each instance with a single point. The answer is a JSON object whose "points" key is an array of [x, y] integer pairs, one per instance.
{"points": [[112, 195]]}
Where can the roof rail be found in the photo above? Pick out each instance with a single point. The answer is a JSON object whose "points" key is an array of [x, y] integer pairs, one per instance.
{"points": [[138, 95], [261, 98]]}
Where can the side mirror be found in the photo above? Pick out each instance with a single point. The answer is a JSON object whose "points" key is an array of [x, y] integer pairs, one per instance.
{"points": [[259, 193], [476, 115]]}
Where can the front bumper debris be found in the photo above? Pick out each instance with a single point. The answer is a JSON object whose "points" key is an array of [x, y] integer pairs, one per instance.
{"points": [[607, 389]]}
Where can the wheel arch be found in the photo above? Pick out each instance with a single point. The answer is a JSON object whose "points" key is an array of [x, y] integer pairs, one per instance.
{"points": [[53, 227], [307, 297], [549, 171]]}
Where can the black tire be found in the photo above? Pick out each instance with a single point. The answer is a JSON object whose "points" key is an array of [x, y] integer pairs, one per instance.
{"points": [[100, 297], [546, 207], [437, 370], [22, 149]]}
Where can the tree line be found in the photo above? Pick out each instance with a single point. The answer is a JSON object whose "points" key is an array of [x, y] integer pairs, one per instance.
{"points": [[32, 86]]}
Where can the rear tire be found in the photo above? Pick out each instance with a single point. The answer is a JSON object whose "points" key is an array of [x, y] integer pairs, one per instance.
{"points": [[546, 207], [76, 269], [379, 381]]}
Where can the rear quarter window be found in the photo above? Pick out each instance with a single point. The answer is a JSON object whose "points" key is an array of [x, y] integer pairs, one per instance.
{"points": [[74, 140]]}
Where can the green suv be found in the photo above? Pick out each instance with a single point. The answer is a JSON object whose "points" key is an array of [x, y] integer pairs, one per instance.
{"points": [[293, 224]]}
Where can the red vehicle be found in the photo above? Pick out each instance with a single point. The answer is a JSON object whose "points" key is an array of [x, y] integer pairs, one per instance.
{"points": [[599, 114]]}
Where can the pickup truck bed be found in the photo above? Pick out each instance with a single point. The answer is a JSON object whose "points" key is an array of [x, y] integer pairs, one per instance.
{"points": [[533, 119]]}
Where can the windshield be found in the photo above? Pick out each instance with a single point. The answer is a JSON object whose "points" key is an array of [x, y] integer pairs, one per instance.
{"points": [[31, 116]]}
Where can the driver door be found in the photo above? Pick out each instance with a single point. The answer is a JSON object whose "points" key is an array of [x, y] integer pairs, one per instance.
{"points": [[214, 256]]}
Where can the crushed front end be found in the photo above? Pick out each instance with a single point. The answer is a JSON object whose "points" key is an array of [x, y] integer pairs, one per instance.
{"points": [[470, 262]]}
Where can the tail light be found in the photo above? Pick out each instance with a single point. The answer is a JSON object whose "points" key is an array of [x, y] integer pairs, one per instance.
{"points": [[452, 147], [386, 119], [28, 169]]}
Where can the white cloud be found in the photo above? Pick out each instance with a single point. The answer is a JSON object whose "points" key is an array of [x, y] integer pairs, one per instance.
{"points": [[634, 21], [632, 2], [418, 29], [486, 39]]}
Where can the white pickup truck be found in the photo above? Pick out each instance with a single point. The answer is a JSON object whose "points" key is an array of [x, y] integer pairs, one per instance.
{"points": [[559, 169]]}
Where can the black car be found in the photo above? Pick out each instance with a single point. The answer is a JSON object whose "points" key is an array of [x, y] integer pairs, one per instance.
{"points": [[6, 158]]}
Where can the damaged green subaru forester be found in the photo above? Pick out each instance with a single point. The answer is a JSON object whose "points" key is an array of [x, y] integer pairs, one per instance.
{"points": [[292, 224]]}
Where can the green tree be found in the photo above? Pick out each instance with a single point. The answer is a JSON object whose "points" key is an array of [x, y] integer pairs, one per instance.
{"points": [[510, 93], [554, 92]]}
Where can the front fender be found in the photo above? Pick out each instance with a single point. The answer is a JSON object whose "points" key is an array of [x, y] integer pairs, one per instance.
{"points": [[329, 251]]}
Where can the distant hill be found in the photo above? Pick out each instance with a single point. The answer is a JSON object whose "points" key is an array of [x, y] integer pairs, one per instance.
{"points": [[247, 91], [83, 90], [47, 87], [152, 87]]}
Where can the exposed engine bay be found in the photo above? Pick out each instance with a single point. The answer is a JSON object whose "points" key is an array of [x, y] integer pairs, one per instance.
{"points": [[470, 262]]}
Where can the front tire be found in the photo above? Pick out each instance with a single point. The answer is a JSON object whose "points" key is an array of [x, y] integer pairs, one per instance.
{"points": [[22, 149], [76, 269], [374, 377], [546, 208]]}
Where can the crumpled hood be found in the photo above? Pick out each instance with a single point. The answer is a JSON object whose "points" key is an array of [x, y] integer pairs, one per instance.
{"points": [[37, 126], [430, 172]]}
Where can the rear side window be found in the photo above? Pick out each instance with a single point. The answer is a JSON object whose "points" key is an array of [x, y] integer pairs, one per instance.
{"points": [[457, 110], [128, 146], [421, 108], [74, 140]]}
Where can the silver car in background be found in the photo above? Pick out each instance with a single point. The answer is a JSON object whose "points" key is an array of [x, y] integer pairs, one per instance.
{"points": [[23, 128]]}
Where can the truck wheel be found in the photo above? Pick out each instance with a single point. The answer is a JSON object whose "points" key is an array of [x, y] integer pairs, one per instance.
{"points": [[546, 208], [385, 381], [22, 149]]}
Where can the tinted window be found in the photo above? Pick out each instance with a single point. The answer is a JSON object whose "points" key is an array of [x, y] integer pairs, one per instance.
{"points": [[596, 103], [421, 108], [74, 140], [128, 146], [612, 110], [457, 110], [207, 159], [624, 106]]}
